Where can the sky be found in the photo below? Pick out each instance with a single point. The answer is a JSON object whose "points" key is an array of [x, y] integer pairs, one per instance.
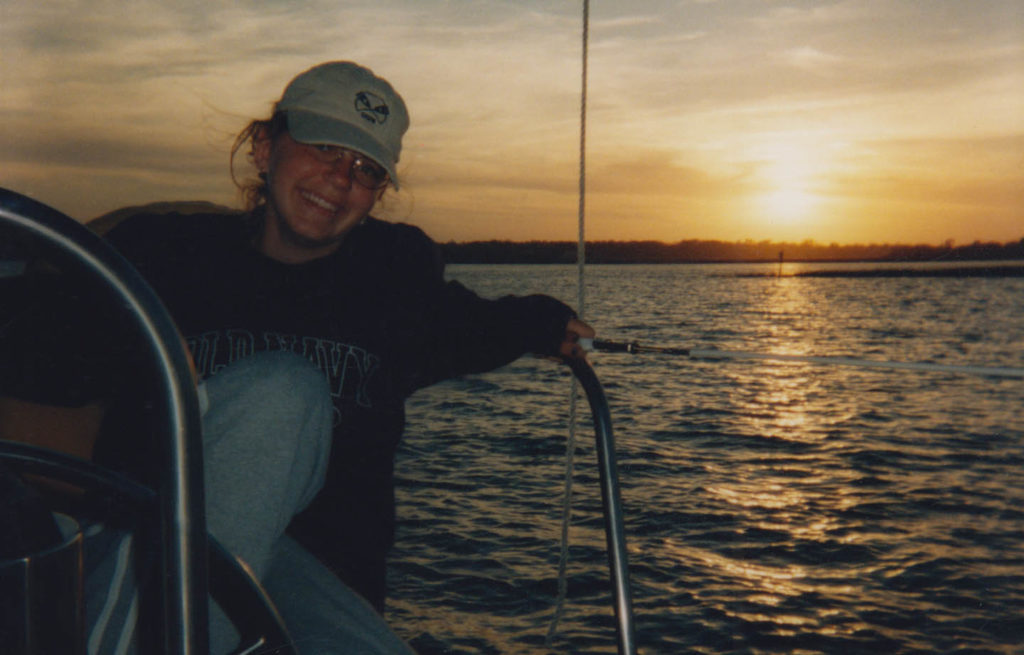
{"points": [[849, 121]]}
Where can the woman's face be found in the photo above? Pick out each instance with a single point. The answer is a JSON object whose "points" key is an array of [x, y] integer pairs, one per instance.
{"points": [[311, 203]]}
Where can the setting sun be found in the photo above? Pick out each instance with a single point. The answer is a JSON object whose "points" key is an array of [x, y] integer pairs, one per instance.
{"points": [[788, 172], [827, 121], [787, 203]]}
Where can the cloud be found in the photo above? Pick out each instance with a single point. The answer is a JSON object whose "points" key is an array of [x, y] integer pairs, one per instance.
{"points": [[809, 58], [654, 172], [144, 97], [986, 172]]}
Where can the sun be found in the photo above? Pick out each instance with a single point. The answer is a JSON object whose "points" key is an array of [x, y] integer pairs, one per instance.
{"points": [[787, 175], [789, 202]]}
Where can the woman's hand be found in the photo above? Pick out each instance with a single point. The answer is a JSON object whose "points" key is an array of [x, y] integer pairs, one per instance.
{"points": [[575, 330]]}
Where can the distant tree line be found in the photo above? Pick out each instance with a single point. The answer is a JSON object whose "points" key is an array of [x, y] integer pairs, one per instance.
{"points": [[695, 251]]}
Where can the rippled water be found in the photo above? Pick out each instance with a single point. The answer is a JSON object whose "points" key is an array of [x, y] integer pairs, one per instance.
{"points": [[769, 507]]}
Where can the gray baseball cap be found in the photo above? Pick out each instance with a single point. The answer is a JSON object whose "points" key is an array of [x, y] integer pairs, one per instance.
{"points": [[341, 103]]}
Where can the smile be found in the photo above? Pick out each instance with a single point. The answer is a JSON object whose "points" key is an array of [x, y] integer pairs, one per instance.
{"points": [[318, 201]]}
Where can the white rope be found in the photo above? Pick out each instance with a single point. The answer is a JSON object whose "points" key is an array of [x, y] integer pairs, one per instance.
{"points": [[563, 557], [570, 446]]}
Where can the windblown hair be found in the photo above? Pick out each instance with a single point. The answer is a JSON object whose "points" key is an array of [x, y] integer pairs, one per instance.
{"points": [[254, 189]]}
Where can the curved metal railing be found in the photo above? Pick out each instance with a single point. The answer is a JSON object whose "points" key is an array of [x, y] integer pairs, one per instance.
{"points": [[181, 494], [615, 536], [183, 524]]}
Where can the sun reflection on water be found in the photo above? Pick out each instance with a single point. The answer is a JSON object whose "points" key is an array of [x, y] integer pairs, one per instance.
{"points": [[779, 507]]}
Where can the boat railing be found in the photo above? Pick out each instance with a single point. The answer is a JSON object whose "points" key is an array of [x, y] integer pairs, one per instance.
{"points": [[611, 499], [183, 539], [193, 564]]}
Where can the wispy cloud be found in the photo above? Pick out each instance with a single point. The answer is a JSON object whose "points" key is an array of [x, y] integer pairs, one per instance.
{"points": [[110, 103]]}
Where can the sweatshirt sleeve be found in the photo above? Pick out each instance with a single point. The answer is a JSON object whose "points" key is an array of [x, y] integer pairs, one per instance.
{"points": [[463, 333]]}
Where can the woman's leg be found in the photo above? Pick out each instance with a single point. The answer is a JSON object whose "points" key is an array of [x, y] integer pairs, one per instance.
{"points": [[266, 441], [323, 615], [266, 437]]}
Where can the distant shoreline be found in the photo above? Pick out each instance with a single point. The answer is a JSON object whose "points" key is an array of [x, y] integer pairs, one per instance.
{"points": [[975, 269], [950, 271], [691, 251], [720, 252]]}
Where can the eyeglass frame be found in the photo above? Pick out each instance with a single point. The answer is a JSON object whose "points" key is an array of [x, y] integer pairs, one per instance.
{"points": [[357, 170]]}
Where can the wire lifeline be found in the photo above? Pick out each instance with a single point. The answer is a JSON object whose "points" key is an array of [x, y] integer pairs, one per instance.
{"points": [[570, 446], [713, 354]]}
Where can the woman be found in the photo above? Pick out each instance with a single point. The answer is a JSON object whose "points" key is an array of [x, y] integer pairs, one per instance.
{"points": [[307, 275]]}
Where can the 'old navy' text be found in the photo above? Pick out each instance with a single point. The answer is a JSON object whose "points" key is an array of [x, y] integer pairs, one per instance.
{"points": [[348, 368]]}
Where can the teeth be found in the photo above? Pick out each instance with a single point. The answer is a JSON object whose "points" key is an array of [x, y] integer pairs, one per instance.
{"points": [[318, 201]]}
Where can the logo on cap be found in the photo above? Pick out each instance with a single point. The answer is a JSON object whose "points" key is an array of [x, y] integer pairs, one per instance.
{"points": [[372, 107]]}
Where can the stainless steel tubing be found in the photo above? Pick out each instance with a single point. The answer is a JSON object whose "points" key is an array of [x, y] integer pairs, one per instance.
{"points": [[181, 495], [615, 535]]}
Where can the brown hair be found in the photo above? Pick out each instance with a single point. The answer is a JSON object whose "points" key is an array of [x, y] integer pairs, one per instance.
{"points": [[254, 190]]}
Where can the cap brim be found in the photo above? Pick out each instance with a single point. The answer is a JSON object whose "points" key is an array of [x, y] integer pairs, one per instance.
{"points": [[307, 127]]}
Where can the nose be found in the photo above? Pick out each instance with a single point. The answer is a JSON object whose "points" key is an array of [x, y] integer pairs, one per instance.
{"points": [[339, 171]]}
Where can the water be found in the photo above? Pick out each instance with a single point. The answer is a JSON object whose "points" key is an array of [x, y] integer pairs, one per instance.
{"points": [[769, 507]]}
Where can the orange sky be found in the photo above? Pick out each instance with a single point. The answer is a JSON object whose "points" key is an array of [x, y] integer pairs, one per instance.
{"points": [[855, 121]]}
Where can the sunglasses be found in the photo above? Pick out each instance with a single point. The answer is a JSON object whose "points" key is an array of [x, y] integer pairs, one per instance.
{"points": [[361, 168]]}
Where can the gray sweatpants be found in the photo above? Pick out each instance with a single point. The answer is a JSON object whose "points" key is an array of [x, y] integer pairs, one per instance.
{"points": [[266, 441]]}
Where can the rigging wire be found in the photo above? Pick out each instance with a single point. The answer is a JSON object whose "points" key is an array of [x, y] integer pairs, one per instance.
{"points": [[570, 446], [713, 354]]}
